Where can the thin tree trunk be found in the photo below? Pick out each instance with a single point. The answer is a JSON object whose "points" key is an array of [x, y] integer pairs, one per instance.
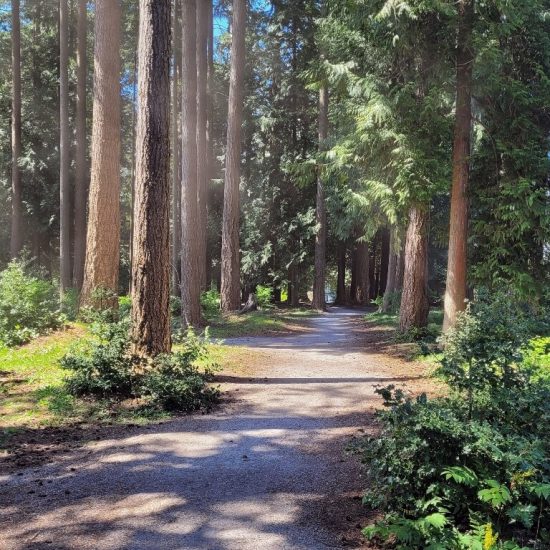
{"points": [[64, 150], [294, 291], [203, 170], [103, 234], [455, 291], [176, 153], [400, 266], [81, 175], [133, 170], [392, 272], [341, 280], [190, 282], [230, 261], [384, 260], [320, 211], [210, 132], [414, 301], [16, 238], [151, 256], [362, 283]]}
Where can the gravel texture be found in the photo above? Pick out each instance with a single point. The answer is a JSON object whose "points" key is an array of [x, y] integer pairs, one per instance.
{"points": [[267, 470]]}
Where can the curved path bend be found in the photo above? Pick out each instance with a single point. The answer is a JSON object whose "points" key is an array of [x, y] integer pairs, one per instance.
{"points": [[267, 470]]}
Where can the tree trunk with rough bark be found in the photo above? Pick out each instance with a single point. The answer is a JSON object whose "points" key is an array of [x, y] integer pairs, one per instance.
{"points": [[190, 282], [176, 152], [341, 279], [16, 236], [151, 255], [414, 300], [384, 261], [455, 290], [103, 232], [230, 260], [361, 296], [203, 170], [81, 168], [400, 265], [65, 277], [320, 211]]}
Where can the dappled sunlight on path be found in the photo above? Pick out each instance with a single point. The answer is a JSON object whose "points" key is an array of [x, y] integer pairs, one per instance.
{"points": [[266, 470]]}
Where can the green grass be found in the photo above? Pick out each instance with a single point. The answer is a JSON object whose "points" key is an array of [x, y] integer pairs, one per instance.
{"points": [[257, 322]]}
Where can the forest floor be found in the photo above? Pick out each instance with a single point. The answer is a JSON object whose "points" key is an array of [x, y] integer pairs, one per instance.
{"points": [[267, 469]]}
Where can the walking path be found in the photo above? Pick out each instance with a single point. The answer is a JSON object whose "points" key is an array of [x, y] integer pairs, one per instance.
{"points": [[266, 471]]}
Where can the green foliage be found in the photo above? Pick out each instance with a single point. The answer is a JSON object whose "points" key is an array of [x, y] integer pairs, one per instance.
{"points": [[210, 303], [470, 470], [29, 305], [264, 295], [104, 367]]}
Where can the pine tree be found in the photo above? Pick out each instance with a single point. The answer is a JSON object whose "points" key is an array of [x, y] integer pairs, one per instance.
{"points": [[64, 160], [81, 170], [16, 238], [230, 275], [190, 282], [103, 233], [455, 291], [151, 242]]}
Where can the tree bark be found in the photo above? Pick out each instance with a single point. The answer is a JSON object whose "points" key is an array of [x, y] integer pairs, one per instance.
{"points": [[64, 150], [400, 266], [151, 256], [320, 211], [362, 284], [384, 260], [414, 301], [203, 170], [16, 237], [341, 280], [230, 261], [103, 234], [210, 132], [176, 153], [81, 169], [455, 291], [190, 282], [391, 274]]}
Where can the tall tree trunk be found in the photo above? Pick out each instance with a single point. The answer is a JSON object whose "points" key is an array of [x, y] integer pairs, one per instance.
{"points": [[384, 260], [341, 280], [455, 291], [16, 237], [203, 170], [64, 150], [176, 152], [190, 282], [391, 273], [294, 291], [151, 256], [103, 232], [362, 285], [414, 301], [400, 266], [230, 261], [81, 172], [320, 210], [210, 131]]}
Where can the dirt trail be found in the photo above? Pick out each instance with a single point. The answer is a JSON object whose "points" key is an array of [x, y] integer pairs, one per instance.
{"points": [[265, 471]]}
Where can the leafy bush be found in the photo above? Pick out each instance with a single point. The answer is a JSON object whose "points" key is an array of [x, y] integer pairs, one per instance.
{"points": [[29, 305], [210, 302], [264, 295], [470, 470], [104, 367]]}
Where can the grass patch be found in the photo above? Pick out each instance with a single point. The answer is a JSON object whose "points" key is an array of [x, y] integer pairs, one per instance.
{"points": [[383, 319], [271, 321]]}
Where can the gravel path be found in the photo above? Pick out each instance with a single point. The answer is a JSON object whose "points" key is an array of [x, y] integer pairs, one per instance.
{"points": [[265, 471]]}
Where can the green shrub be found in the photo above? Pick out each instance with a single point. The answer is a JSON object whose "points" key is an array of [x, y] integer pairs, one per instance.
{"points": [[471, 470], [210, 302], [264, 295], [175, 382], [29, 305], [104, 367]]}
